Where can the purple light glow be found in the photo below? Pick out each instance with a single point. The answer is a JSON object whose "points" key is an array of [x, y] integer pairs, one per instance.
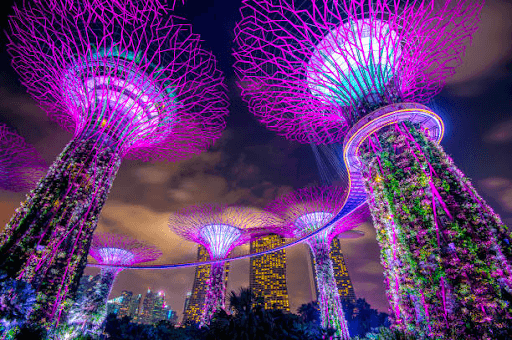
{"points": [[220, 237], [218, 228], [309, 209], [311, 71], [121, 250], [20, 164], [145, 86]]}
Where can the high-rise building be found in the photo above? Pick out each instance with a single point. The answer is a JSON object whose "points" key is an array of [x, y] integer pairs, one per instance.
{"points": [[343, 281], [187, 301], [148, 304], [345, 287], [159, 312], [268, 273], [124, 309], [194, 304], [134, 310]]}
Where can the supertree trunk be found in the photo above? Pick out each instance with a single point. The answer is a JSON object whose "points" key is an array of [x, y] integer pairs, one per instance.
{"points": [[446, 247], [47, 241], [329, 301], [214, 299]]}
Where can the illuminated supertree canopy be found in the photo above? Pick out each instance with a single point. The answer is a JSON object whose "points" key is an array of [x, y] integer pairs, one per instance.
{"points": [[356, 71], [127, 81], [219, 229], [311, 73], [89, 312], [21, 166], [311, 209]]}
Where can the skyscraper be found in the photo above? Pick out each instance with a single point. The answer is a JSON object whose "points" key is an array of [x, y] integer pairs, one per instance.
{"points": [[268, 273], [124, 310], [159, 312], [148, 304], [135, 308], [193, 308], [345, 287]]}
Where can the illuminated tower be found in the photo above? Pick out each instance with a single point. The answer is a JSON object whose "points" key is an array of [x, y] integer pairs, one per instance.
{"points": [[113, 250], [194, 306], [343, 281], [306, 211], [126, 82], [219, 229], [354, 72], [267, 276], [124, 310], [20, 164]]}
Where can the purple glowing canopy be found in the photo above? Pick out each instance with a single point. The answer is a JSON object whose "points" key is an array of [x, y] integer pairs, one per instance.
{"points": [[121, 71], [306, 210], [21, 166], [218, 228], [121, 250], [311, 71]]}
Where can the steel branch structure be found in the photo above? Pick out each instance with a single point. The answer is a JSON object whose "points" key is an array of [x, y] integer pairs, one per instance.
{"points": [[127, 81], [219, 229], [356, 71], [21, 166], [107, 249], [305, 211]]}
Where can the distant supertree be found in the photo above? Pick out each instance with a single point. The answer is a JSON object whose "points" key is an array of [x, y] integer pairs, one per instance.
{"points": [[306, 211], [352, 71], [128, 83], [21, 166], [89, 312], [219, 229]]}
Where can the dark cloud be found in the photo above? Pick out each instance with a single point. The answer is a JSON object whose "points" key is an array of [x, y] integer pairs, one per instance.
{"points": [[500, 189], [500, 134]]}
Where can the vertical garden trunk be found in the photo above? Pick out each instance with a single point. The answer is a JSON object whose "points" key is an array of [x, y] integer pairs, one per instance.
{"points": [[47, 241], [329, 301], [214, 299], [446, 253]]}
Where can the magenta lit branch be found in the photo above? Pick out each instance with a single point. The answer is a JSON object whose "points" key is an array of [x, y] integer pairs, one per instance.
{"points": [[127, 80], [219, 229], [354, 74], [21, 166]]}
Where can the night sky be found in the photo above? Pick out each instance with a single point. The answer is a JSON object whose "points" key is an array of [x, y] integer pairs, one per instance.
{"points": [[249, 165]]}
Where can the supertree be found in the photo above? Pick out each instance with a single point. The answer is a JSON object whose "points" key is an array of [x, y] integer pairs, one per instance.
{"points": [[21, 166], [219, 229], [355, 71], [114, 252], [306, 211], [127, 81]]}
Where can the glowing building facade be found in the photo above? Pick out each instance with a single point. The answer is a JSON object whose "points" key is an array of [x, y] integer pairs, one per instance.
{"points": [[267, 276], [343, 281], [124, 310], [194, 305], [126, 81]]}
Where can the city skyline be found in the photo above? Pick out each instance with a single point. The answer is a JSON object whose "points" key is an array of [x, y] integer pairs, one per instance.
{"points": [[137, 206]]}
